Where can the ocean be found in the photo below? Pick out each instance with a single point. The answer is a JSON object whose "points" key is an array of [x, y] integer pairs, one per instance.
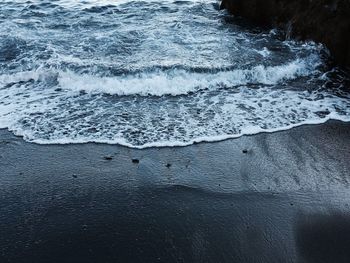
{"points": [[156, 73]]}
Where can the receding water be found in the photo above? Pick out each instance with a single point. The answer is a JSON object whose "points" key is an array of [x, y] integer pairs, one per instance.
{"points": [[155, 73]]}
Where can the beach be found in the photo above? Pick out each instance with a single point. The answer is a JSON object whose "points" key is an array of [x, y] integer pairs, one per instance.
{"points": [[271, 197], [197, 131]]}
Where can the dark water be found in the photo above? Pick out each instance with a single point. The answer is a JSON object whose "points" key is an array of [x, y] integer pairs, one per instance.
{"points": [[154, 73]]}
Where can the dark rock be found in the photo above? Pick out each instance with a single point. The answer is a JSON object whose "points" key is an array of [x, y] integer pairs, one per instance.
{"points": [[108, 158], [75, 176], [168, 165], [324, 21], [135, 160], [245, 151]]}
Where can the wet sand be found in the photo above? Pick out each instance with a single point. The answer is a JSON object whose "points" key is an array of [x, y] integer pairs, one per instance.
{"points": [[280, 197]]}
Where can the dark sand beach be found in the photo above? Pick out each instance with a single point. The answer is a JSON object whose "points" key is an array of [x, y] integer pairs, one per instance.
{"points": [[278, 197], [170, 73]]}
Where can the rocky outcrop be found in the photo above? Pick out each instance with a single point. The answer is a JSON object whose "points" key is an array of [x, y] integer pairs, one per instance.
{"points": [[324, 21]]}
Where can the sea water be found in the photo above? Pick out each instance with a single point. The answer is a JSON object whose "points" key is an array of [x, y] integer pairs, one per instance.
{"points": [[156, 73]]}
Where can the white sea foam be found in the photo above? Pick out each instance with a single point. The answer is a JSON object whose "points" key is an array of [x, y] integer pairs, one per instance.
{"points": [[250, 130], [46, 116], [159, 83], [180, 82], [184, 75], [264, 52]]}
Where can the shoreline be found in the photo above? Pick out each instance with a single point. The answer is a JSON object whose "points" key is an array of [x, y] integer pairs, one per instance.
{"points": [[212, 139], [276, 197]]}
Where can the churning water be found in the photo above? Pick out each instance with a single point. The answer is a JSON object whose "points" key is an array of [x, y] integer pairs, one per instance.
{"points": [[154, 73]]}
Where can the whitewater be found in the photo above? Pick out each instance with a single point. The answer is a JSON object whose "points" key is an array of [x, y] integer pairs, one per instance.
{"points": [[156, 73]]}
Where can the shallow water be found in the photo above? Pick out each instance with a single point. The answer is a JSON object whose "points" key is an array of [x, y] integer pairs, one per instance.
{"points": [[155, 73]]}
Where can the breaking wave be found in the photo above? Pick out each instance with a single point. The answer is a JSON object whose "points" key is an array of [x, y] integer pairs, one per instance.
{"points": [[187, 74]]}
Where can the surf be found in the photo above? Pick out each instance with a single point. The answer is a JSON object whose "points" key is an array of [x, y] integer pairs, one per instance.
{"points": [[188, 73]]}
